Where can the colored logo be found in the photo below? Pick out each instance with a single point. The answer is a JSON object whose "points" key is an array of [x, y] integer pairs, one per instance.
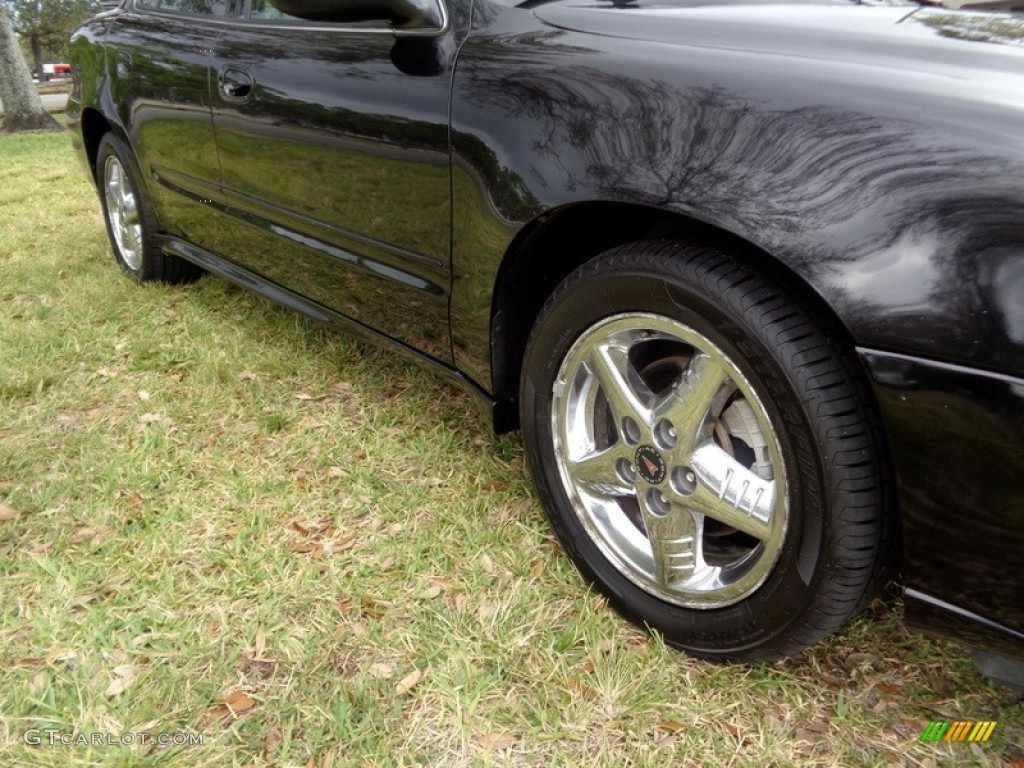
{"points": [[650, 465], [958, 730]]}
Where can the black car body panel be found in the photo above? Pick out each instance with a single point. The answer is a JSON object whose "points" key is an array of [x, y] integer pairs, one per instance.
{"points": [[962, 526], [331, 135], [431, 189]]}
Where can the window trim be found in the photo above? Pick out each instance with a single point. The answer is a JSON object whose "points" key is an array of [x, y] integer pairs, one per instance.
{"points": [[140, 7], [242, 22]]}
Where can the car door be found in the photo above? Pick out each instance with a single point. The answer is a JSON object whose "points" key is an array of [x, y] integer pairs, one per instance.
{"points": [[158, 63], [333, 143]]}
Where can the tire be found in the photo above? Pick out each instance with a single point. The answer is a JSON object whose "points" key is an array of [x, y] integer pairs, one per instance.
{"points": [[130, 224], [707, 451]]}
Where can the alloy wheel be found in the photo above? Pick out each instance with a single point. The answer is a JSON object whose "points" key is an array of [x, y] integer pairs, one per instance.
{"points": [[670, 460]]}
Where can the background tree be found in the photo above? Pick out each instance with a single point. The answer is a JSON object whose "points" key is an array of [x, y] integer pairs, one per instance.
{"points": [[23, 111], [44, 25]]}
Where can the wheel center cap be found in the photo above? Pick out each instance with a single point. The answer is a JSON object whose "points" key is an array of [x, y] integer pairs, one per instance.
{"points": [[650, 465]]}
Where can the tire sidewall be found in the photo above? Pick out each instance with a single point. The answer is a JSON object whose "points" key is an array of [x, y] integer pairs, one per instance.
{"points": [[111, 146], [789, 590]]}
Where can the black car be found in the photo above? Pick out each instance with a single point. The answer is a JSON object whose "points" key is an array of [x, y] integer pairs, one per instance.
{"points": [[748, 276]]}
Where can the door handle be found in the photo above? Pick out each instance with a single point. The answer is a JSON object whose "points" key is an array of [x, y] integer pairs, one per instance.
{"points": [[235, 83]]}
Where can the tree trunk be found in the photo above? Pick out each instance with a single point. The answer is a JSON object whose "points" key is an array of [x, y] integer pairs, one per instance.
{"points": [[37, 56], [23, 111]]}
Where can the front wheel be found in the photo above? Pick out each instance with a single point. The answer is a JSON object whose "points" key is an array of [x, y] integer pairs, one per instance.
{"points": [[706, 450], [130, 225]]}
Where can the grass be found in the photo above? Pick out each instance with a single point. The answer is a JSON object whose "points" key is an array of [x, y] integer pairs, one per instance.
{"points": [[221, 520]]}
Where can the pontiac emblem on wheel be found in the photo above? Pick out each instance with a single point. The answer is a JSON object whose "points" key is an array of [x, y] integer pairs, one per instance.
{"points": [[650, 465]]}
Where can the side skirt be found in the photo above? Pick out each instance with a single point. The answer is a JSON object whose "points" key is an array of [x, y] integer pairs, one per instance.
{"points": [[239, 275], [995, 649]]}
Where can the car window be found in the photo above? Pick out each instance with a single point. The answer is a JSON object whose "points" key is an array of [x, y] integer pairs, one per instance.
{"points": [[262, 9], [200, 7]]}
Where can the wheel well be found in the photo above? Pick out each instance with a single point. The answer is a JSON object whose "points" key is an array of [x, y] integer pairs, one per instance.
{"points": [[94, 126], [547, 250]]}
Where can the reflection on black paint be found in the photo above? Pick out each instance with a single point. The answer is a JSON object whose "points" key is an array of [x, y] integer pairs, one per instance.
{"points": [[984, 28], [941, 416], [162, 90], [336, 173], [901, 216], [421, 56]]}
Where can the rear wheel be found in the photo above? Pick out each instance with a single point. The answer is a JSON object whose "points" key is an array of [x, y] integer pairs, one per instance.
{"points": [[130, 225], [706, 451]]}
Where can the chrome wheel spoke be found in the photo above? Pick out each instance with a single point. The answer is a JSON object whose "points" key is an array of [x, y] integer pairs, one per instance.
{"points": [[730, 493], [625, 391], [697, 394], [600, 472], [675, 538], [129, 213]]}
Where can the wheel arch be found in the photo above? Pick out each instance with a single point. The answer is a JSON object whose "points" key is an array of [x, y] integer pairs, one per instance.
{"points": [[94, 126], [579, 232]]}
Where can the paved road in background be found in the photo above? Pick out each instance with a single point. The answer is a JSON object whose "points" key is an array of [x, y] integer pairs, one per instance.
{"points": [[52, 101]]}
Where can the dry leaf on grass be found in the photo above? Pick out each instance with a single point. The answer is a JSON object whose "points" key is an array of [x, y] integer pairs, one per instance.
{"points": [[497, 740], [259, 644], [382, 671], [340, 545], [731, 728], [578, 687], [806, 736], [429, 593], [61, 654], [486, 563], [672, 725], [82, 534], [271, 742], [407, 683], [124, 676], [80, 601], [38, 683], [239, 701], [7, 513]]}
